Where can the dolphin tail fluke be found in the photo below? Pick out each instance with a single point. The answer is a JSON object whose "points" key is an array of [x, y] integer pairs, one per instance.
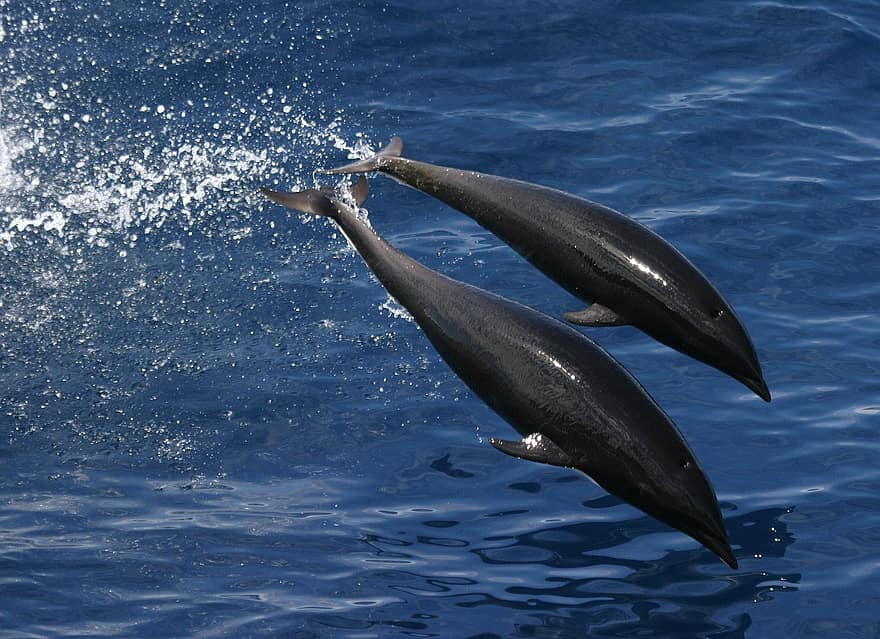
{"points": [[372, 163], [316, 201], [359, 190], [308, 201]]}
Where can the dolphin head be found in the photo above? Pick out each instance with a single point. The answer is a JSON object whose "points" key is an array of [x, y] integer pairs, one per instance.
{"points": [[697, 321], [666, 481], [724, 344]]}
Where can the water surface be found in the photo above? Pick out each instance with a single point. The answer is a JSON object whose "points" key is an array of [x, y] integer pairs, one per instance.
{"points": [[214, 422]]}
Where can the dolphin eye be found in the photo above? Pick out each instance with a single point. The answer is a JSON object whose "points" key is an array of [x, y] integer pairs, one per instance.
{"points": [[685, 464], [717, 313]]}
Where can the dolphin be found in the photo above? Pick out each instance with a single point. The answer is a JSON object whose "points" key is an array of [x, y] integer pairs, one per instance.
{"points": [[625, 272], [574, 405]]}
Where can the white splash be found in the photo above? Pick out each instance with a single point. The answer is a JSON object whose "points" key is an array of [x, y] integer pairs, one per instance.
{"points": [[11, 146], [5, 159], [46, 221], [396, 309], [140, 191], [360, 150], [139, 187]]}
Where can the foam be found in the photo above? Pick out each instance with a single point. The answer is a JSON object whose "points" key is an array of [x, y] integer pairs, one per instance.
{"points": [[137, 189], [115, 217]]}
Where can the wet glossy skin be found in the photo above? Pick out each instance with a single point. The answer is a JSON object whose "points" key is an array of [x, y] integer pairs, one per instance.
{"points": [[544, 377], [601, 256]]}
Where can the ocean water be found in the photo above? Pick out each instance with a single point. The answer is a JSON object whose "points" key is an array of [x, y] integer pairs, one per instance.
{"points": [[215, 423]]}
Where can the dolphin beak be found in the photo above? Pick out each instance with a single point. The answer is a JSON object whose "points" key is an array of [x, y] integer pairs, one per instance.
{"points": [[758, 385], [721, 547], [714, 537]]}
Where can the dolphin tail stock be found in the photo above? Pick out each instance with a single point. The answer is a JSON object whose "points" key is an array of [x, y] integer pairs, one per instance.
{"points": [[317, 201], [372, 163]]}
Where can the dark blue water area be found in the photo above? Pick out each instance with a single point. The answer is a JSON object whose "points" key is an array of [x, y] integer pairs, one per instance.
{"points": [[215, 423]]}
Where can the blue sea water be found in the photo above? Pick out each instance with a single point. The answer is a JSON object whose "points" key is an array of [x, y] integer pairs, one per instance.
{"points": [[215, 423]]}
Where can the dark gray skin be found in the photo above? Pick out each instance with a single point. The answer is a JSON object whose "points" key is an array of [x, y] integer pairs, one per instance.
{"points": [[629, 273], [574, 404]]}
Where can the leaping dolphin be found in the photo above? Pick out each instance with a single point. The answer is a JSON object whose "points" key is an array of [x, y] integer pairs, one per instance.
{"points": [[574, 405], [626, 272]]}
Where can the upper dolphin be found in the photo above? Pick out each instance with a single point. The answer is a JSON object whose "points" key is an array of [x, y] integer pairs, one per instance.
{"points": [[573, 403], [628, 273]]}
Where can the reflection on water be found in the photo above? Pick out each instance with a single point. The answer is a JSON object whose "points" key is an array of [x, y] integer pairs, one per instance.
{"points": [[307, 556], [575, 587]]}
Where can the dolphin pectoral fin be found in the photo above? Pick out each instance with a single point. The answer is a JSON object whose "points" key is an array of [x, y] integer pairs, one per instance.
{"points": [[595, 315], [372, 163], [535, 447]]}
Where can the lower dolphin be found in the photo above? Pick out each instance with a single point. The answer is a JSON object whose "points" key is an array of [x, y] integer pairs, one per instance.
{"points": [[574, 405], [626, 272]]}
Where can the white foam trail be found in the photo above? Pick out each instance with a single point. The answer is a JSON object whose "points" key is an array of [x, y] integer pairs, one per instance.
{"points": [[68, 173], [137, 189], [7, 153], [145, 192], [5, 160], [82, 168]]}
